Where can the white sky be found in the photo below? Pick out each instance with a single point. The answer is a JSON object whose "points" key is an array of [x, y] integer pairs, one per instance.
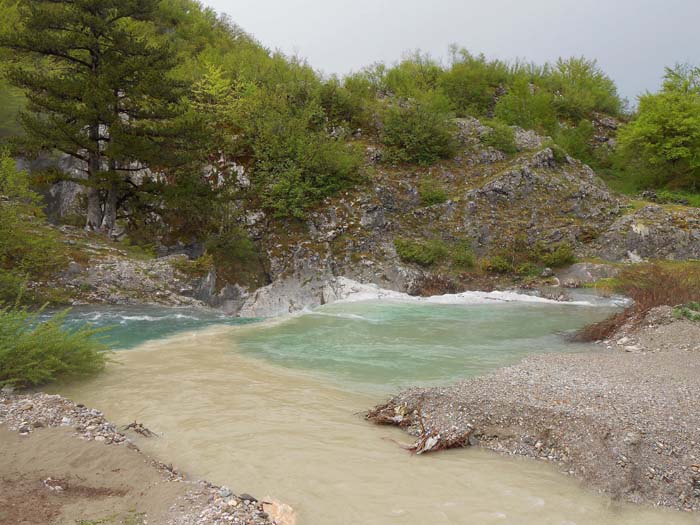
{"points": [[631, 39]]}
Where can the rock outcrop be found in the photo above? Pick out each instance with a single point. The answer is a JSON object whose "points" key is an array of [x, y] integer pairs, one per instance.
{"points": [[653, 232]]}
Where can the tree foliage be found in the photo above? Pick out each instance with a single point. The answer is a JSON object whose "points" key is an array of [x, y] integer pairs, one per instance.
{"points": [[661, 146], [419, 130], [98, 89], [29, 249]]}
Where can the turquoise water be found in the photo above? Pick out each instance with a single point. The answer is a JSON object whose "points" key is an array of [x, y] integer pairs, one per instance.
{"points": [[372, 345], [129, 326], [398, 344]]}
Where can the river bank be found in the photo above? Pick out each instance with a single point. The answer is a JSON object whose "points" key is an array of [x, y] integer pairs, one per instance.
{"points": [[64, 463], [623, 419]]}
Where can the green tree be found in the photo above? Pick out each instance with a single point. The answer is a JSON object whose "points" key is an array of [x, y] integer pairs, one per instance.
{"points": [[661, 146], [472, 83], [528, 106], [420, 130], [580, 88], [96, 77]]}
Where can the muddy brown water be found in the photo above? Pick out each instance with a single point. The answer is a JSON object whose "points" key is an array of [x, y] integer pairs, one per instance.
{"points": [[258, 426]]}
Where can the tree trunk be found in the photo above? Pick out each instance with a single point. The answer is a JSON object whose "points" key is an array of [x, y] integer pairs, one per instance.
{"points": [[109, 218], [94, 211]]}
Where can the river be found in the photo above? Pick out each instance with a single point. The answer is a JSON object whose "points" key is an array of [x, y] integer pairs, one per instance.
{"points": [[275, 408]]}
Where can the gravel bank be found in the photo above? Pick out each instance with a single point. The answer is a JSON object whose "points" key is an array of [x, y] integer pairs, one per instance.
{"points": [[625, 419], [63, 463]]}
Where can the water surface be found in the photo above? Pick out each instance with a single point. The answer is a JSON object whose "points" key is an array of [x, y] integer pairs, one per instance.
{"points": [[275, 408]]}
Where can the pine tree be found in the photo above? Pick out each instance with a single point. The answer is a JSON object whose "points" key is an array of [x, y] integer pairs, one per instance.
{"points": [[96, 77]]}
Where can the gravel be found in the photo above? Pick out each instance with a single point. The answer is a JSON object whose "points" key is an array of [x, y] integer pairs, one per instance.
{"points": [[625, 421], [202, 504]]}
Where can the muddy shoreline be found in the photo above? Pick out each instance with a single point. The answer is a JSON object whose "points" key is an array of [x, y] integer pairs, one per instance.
{"points": [[62, 462], [624, 419]]}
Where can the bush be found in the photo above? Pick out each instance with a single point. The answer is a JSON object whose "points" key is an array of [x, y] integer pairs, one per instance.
{"points": [[581, 88], [690, 311], [34, 353], [529, 107], [422, 253], [498, 264], [420, 131], [463, 256], [501, 137], [236, 258], [649, 286], [472, 83], [560, 155], [431, 193], [557, 256], [29, 249], [197, 268], [415, 75], [578, 141]]}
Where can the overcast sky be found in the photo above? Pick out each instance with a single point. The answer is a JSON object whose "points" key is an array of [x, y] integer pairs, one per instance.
{"points": [[631, 39]]}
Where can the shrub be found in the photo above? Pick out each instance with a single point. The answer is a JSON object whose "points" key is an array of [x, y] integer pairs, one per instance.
{"points": [[690, 311], [420, 131], [415, 75], [498, 264], [557, 256], [463, 256], [649, 286], [472, 83], [577, 141], [431, 193], [560, 155], [529, 107], [501, 137], [197, 268], [34, 352], [581, 88], [527, 269], [236, 258], [422, 253], [29, 248]]}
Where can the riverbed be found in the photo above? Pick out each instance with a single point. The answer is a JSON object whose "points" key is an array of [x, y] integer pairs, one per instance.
{"points": [[275, 407]]}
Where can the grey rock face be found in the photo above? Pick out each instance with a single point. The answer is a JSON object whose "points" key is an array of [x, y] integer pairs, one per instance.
{"points": [[653, 232], [579, 274]]}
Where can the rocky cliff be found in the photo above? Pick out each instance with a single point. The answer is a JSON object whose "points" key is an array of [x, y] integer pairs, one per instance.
{"points": [[489, 202]]}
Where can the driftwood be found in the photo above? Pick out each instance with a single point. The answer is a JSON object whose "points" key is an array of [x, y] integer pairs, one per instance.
{"points": [[140, 429]]}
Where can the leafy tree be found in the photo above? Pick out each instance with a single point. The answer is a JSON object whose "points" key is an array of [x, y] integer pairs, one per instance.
{"points": [[661, 145], [581, 87], [419, 131], [416, 74], [528, 106], [472, 83], [98, 88]]}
